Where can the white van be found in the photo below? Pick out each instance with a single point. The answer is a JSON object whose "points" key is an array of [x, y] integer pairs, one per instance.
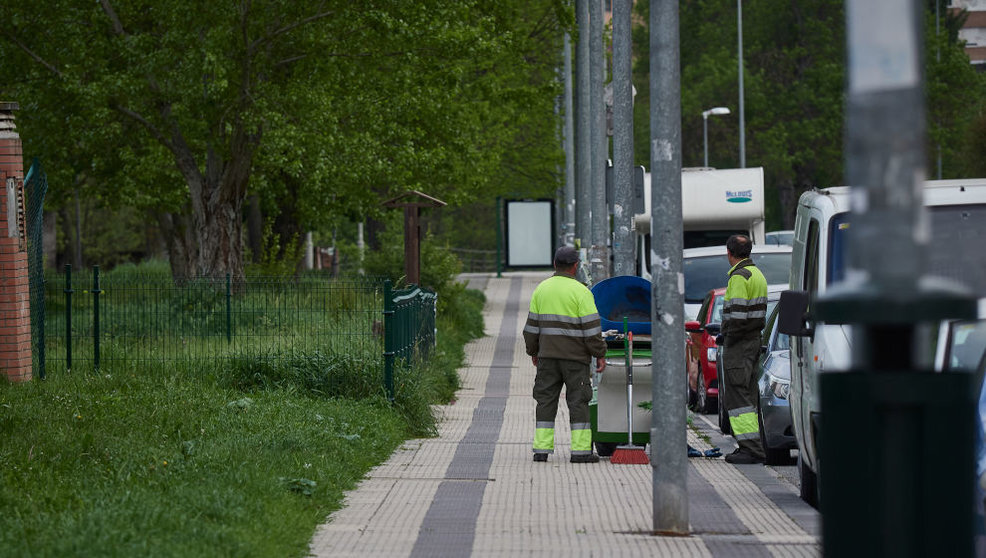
{"points": [[957, 215]]}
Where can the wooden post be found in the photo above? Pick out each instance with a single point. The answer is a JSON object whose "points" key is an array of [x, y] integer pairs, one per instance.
{"points": [[412, 202]]}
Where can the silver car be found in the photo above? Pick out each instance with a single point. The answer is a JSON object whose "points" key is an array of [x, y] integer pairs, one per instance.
{"points": [[774, 411]]}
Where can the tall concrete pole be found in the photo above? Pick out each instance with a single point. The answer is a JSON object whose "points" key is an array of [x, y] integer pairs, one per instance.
{"points": [[622, 141], [583, 140], [598, 253], [742, 108], [668, 456], [569, 192], [903, 452]]}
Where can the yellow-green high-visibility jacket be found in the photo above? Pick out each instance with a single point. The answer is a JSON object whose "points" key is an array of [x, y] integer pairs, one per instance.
{"points": [[744, 309], [563, 321]]}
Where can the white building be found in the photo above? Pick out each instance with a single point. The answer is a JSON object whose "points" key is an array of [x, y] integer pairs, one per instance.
{"points": [[973, 32]]}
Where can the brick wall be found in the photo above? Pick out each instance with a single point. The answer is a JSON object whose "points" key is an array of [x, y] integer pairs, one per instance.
{"points": [[15, 306]]}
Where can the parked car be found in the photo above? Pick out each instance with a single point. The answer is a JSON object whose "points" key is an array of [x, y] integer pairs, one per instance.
{"points": [[706, 269], [701, 350], [773, 409], [956, 218], [773, 296]]}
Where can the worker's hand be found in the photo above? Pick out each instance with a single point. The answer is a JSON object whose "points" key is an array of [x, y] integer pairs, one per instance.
{"points": [[534, 359], [600, 365]]}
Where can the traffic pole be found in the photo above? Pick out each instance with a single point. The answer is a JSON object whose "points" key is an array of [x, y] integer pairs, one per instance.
{"points": [[623, 233], [668, 438], [896, 441]]}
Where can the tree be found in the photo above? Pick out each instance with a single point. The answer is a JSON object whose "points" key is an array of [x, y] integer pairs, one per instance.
{"points": [[333, 103]]}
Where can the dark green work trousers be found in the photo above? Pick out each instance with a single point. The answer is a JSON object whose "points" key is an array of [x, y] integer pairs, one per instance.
{"points": [[739, 360], [552, 374]]}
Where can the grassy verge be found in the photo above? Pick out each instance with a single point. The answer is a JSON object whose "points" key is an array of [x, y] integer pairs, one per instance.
{"points": [[241, 459]]}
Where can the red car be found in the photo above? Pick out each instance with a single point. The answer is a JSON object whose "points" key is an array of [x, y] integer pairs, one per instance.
{"points": [[700, 354]]}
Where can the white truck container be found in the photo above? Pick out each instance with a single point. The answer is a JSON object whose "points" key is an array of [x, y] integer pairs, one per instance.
{"points": [[957, 217], [715, 204]]}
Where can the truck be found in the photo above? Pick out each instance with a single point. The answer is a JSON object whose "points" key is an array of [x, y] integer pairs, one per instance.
{"points": [[715, 204], [957, 217]]}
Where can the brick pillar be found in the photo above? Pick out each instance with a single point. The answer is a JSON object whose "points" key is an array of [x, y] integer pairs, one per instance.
{"points": [[15, 306]]}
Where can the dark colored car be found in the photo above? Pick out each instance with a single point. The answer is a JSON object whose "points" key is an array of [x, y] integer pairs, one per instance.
{"points": [[773, 410], [773, 296]]}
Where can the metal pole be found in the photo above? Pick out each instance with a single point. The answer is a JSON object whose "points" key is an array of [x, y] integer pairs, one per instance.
{"points": [[95, 316], [499, 240], [668, 456], [68, 317], [938, 59], [917, 473], [705, 138], [569, 196], [388, 340], [229, 310], [623, 234], [583, 145], [599, 252], [742, 111]]}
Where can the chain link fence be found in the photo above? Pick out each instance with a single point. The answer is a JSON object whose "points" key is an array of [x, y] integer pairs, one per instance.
{"points": [[97, 320]]}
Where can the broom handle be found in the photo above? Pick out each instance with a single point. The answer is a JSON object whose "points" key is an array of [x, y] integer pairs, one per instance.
{"points": [[628, 347]]}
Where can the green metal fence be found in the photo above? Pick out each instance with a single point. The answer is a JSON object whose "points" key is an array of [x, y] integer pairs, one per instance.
{"points": [[35, 188], [409, 315], [94, 320]]}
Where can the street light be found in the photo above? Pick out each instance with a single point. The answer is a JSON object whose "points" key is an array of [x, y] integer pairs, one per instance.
{"points": [[705, 127]]}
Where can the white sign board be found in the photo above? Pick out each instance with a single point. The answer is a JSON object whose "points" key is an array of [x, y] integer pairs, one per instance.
{"points": [[530, 227]]}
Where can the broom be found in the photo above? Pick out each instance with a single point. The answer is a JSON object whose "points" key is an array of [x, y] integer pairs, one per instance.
{"points": [[629, 454]]}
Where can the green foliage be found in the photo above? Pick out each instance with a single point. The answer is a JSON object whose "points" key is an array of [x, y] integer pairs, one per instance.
{"points": [[438, 265], [321, 109], [794, 81], [280, 257], [157, 463], [241, 459]]}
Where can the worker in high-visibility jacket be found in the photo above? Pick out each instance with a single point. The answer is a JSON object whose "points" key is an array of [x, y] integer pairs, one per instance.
{"points": [[562, 334], [744, 312]]}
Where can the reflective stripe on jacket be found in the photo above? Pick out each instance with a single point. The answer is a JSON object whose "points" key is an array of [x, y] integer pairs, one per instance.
{"points": [[744, 309], [563, 321]]}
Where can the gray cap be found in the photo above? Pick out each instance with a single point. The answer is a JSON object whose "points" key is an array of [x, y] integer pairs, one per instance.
{"points": [[566, 255]]}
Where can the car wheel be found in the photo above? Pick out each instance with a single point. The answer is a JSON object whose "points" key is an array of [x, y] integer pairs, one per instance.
{"points": [[772, 456], [701, 395], [605, 449], [723, 416], [809, 483]]}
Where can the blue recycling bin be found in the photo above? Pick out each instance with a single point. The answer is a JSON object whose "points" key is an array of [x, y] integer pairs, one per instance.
{"points": [[624, 295]]}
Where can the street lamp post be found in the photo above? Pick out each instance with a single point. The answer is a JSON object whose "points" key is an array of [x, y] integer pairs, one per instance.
{"points": [[705, 127]]}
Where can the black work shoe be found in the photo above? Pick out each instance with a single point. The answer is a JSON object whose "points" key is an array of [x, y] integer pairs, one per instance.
{"points": [[742, 457], [587, 458], [540, 457]]}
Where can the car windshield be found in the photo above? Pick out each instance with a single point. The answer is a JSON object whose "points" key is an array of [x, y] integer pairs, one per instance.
{"points": [[717, 309], [702, 274], [966, 346], [955, 230]]}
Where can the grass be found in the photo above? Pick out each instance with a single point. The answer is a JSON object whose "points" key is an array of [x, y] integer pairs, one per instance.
{"points": [[240, 457]]}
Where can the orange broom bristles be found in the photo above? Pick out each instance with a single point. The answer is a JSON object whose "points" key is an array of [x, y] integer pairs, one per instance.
{"points": [[629, 455]]}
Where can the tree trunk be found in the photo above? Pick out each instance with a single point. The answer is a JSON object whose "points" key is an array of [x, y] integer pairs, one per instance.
{"points": [[49, 237], [255, 229], [179, 242]]}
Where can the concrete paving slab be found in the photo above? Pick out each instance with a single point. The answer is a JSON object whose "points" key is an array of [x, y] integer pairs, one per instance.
{"points": [[474, 490]]}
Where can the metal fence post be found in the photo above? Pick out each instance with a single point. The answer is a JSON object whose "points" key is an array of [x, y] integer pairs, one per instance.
{"points": [[229, 312], [95, 316], [388, 340], [68, 317]]}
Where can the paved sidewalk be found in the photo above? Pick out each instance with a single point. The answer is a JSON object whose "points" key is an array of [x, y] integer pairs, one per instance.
{"points": [[474, 491]]}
